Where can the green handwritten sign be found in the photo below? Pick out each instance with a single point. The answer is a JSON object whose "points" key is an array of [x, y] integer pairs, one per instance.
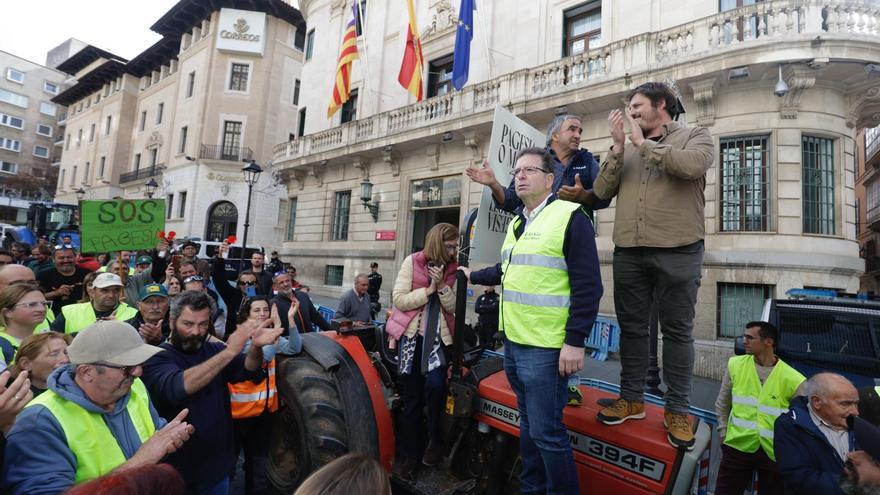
{"points": [[115, 225]]}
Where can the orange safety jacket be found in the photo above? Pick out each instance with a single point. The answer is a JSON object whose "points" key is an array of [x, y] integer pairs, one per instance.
{"points": [[250, 399]]}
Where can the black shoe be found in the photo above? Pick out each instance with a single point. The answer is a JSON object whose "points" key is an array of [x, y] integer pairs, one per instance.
{"points": [[406, 468], [433, 454]]}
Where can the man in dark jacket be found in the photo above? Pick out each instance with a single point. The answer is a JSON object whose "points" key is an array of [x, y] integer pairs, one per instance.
{"points": [[307, 313], [812, 439]]}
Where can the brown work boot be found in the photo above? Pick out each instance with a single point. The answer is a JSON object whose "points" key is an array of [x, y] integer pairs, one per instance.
{"points": [[620, 411], [678, 430]]}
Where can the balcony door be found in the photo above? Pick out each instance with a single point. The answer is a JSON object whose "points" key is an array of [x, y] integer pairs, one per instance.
{"points": [[222, 221], [231, 140]]}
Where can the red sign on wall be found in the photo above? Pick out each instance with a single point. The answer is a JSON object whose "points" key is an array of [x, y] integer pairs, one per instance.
{"points": [[386, 235]]}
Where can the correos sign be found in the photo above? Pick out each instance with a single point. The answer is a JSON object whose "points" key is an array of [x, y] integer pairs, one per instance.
{"points": [[241, 31]]}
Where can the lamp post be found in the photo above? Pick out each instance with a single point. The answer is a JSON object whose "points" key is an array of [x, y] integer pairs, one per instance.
{"points": [[80, 194], [366, 197], [251, 176], [150, 188]]}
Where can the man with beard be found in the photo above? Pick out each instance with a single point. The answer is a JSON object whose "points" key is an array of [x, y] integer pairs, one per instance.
{"points": [[307, 313], [42, 258], [150, 320], [659, 178], [105, 305], [95, 418], [193, 373], [63, 283], [264, 278]]}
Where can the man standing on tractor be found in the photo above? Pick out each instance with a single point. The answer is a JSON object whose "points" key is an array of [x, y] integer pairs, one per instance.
{"points": [[659, 179], [755, 390], [550, 291]]}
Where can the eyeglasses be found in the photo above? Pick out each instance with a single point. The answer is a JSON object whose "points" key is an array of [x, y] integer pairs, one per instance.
{"points": [[451, 247], [63, 246], [193, 278], [34, 305], [529, 171], [126, 370], [249, 283]]}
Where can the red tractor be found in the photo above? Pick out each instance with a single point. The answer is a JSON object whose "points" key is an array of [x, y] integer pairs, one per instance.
{"points": [[340, 396]]}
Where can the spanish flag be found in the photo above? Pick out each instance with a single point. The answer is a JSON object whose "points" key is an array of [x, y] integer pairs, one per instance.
{"points": [[348, 54], [410, 76]]}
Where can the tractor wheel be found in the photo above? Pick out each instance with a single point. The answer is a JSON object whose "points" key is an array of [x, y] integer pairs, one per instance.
{"points": [[310, 430]]}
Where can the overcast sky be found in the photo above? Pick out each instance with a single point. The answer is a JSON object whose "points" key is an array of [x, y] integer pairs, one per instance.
{"points": [[32, 27]]}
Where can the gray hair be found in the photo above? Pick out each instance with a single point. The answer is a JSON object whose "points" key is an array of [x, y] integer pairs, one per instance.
{"points": [[192, 299], [556, 125], [822, 384], [360, 276]]}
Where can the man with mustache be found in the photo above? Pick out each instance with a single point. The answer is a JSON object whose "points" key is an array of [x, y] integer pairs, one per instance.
{"points": [[659, 178], [63, 283], [95, 418], [106, 304], [193, 373], [150, 320]]}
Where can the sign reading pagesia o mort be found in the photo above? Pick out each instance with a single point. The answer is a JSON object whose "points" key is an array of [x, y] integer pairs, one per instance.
{"points": [[509, 135], [115, 225]]}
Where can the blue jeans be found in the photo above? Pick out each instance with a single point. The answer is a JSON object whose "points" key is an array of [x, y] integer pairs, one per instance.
{"points": [[541, 394]]}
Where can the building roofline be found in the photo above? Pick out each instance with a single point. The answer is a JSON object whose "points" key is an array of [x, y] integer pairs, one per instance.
{"points": [[84, 57], [155, 56], [91, 82], [187, 13]]}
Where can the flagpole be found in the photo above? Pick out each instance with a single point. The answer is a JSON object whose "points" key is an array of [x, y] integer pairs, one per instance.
{"points": [[489, 59], [366, 60]]}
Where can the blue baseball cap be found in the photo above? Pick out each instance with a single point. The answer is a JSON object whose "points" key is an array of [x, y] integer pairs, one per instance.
{"points": [[151, 290]]}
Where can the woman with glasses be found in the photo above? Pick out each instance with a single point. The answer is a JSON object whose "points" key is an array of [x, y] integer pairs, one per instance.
{"points": [[253, 403], [40, 354], [421, 326], [23, 307]]}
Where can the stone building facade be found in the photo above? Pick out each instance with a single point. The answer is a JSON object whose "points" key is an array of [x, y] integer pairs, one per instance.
{"points": [[780, 198]]}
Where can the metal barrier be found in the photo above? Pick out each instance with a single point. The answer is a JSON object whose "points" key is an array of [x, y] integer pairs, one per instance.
{"points": [[604, 338]]}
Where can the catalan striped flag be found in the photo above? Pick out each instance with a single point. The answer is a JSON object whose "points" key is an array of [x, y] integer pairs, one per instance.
{"points": [[347, 54], [410, 76]]}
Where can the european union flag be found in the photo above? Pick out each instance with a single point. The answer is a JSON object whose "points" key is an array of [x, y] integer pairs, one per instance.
{"points": [[461, 62]]}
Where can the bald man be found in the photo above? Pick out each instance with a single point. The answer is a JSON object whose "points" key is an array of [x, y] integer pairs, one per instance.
{"points": [[21, 273], [812, 440]]}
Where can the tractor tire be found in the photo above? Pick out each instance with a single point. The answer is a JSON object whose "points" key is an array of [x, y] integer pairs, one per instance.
{"points": [[310, 428]]}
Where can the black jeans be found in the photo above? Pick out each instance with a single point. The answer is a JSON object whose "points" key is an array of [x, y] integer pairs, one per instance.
{"points": [[252, 436], [675, 274], [735, 472], [423, 399]]}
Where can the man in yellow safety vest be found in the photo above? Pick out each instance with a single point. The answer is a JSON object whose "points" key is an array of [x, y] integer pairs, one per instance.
{"points": [[755, 390], [96, 417]]}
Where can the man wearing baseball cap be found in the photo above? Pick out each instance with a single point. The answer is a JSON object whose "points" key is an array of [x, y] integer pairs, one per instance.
{"points": [[96, 417], [143, 263], [105, 305], [150, 320]]}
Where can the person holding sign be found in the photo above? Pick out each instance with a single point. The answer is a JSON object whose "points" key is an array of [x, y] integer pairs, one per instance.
{"points": [[573, 169], [105, 305], [550, 291], [658, 178]]}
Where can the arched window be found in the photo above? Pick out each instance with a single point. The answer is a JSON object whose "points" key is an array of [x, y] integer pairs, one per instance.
{"points": [[222, 221]]}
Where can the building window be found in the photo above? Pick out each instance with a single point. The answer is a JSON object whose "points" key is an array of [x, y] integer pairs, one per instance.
{"points": [[44, 130], [818, 184], [159, 111], [91, 135], [8, 167], [73, 176], [190, 84], [41, 151], [79, 137], [86, 172], [359, 28], [143, 123], [231, 140], [299, 40], [61, 178], [310, 43], [745, 184], [169, 205], [739, 304], [10, 144], [107, 125], [13, 98], [182, 147], [301, 123], [341, 208], [15, 75], [67, 143], [440, 76], [872, 200], [296, 92], [181, 207], [291, 219], [349, 108], [154, 157], [50, 87], [333, 275], [48, 108], [238, 77], [137, 162], [10, 121], [101, 165], [583, 28]]}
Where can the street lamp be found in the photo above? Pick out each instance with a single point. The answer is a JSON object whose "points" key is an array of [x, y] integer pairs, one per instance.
{"points": [[80, 194], [251, 176], [366, 197], [150, 188]]}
